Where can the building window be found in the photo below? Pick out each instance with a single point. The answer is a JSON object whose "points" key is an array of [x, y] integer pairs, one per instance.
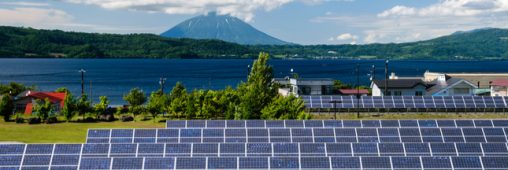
{"points": [[418, 93], [397, 93], [461, 91]]}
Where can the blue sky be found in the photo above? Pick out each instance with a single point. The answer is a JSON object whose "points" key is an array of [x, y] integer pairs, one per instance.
{"points": [[298, 21]]}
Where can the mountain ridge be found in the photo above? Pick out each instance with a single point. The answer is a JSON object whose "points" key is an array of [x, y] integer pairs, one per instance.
{"points": [[221, 27]]}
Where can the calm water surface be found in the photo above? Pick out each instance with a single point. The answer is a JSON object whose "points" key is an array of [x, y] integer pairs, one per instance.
{"points": [[114, 77]]}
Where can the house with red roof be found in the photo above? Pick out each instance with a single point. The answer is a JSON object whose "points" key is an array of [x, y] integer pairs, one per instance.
{"points": [[25, 101], [499, 87], [354, 92]]}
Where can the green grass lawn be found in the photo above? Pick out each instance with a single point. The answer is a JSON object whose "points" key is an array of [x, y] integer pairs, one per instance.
{"points": [[61, 132]]}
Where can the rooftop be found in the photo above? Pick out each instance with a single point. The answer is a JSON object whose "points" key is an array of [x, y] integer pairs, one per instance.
{"points": [[400, 83]]}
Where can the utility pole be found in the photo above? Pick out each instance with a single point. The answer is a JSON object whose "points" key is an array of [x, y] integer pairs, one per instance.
{"points": [[162, 81], [91, 98], [386, 78], [373, 73], [82, 71], [248, 70], [357, 90]]}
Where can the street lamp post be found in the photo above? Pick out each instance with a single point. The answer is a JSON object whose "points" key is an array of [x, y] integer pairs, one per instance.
{"points": [[334, 102], [82, 71]]}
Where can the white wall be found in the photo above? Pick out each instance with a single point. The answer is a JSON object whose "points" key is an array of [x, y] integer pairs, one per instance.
{"points": [[404, 92], [499, 91]]}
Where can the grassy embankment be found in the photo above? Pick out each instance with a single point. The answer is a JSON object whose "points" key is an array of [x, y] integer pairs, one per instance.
{"points": [[76, 132], [61, 132]]}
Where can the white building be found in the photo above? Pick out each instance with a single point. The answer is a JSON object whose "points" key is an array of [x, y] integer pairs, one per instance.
{"points": [[441, 86], [305, 86], [446, 86], [399, 87], [499, 87]]}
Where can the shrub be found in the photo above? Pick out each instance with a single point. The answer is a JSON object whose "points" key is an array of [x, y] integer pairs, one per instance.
{"points": [[51, 119], [34, 120], [107, 117], [126, 118]]}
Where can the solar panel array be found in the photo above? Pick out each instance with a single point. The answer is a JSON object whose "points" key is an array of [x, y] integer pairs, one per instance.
{"points": [[289, 144], [300, 135], [407, 102]]}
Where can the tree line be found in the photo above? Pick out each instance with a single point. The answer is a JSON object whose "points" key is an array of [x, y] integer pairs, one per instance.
{"points": [[257, 98]]}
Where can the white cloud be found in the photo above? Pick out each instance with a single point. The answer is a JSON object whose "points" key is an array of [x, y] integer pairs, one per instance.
{"points": [[34, 17], [408, 24], [34, 4], [49, 18], [346, 37], [243, 9], [450, 8]]}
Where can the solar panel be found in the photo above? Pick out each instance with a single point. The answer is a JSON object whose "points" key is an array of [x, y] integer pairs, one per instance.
{"points": [[253, 163], [284, 162], [190, 163], [315, 162], [222, 163], [440, 102], [127, 163], [159, 163]]}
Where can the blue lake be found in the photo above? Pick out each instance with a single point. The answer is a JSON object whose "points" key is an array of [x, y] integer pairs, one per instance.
{"points": [[115, 77]]}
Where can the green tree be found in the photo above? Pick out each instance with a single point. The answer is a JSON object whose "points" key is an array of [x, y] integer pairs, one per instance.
{"points": [[62, 90], [100, 108], [136, 98], [258, 91], [289, 107], [43, 108], [69, 106], [83, 106], [6, 107], [178, 98], [157, 103], [337, 84], [229, 100], [14, 89]]}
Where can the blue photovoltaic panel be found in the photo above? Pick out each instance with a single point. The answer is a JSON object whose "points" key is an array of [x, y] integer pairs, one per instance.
{"points": [[178, 149], [466, 162], [315, 162], [284, 162], [406, 163], [67, 148], [95, 163], [376, 162], [127, 163], [190, 163], [6, 160], [440, 102], [65, 160], [436, 162], [39, 149], [253, 163], [346, 162], [259, 149], [495, 162], [159, 163], [176, 124], [99, 132], [222, 163], [122, 133], [12, 148], [196, 123]]}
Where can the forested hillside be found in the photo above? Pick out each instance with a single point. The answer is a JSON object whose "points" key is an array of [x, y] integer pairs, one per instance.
{"points": [[26, 42]]}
